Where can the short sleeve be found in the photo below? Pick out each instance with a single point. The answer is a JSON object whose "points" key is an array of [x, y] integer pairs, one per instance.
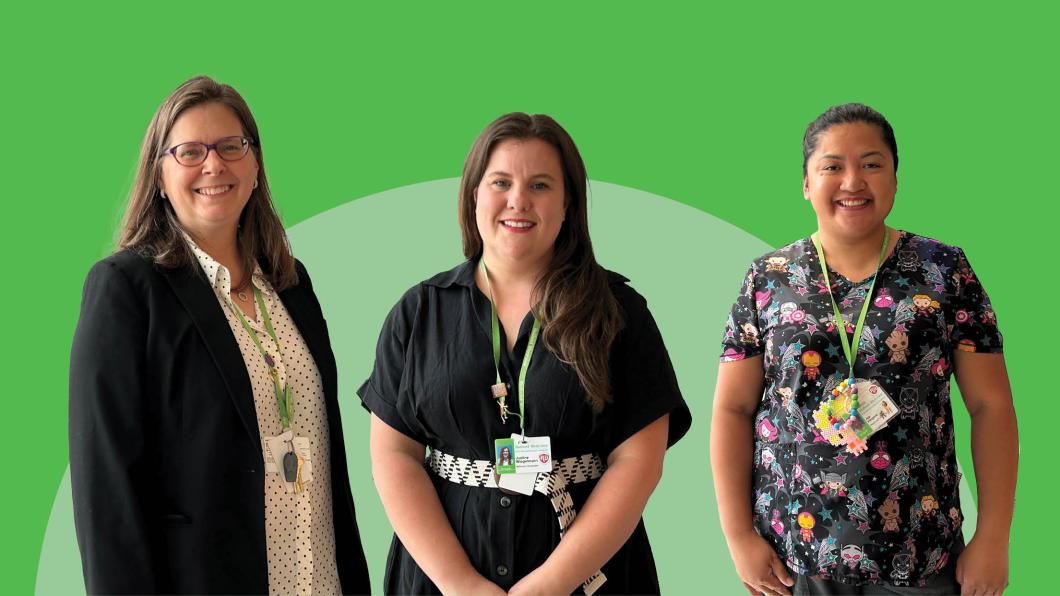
{"points": [[386, 392], [974, 323], [742, 329], [643, 379]]}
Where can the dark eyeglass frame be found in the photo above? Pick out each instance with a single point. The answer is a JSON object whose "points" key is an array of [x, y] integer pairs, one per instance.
{"points": [[246, 143]]}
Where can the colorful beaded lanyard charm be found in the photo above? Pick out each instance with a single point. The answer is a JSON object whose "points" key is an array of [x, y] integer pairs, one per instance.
{"points": [[837, 417]]}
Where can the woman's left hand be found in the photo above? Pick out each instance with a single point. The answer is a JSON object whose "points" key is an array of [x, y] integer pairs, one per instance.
{"points": [[538, 582], [982, 568]]}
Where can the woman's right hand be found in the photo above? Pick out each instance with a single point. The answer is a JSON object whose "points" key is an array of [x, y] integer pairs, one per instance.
{"points": [[473, 583], [758, 566]]}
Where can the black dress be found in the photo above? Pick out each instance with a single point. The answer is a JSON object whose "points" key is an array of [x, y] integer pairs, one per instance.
{"points": [[891, 515], [431, 380]]}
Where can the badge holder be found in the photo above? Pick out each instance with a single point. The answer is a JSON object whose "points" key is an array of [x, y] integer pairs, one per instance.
{"points": [[840, 417]]}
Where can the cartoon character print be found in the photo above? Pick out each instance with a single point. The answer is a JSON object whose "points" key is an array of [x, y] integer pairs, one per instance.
{"points": [[889, 512], [767, 431], [940, 368], [955, 518], [962, 273], [909, 352], [776, 524], [883, 299], [901, 565], [908, 261], [880, 460], [791, 313], [748, 334], [858, 563], [811, 360], [852, 555], [832, 483], [898, 344], [762, 299], [806, 522], [909, 398], [777, 264], [830, 323], [988, 317], [924, 305], [928, 506]]}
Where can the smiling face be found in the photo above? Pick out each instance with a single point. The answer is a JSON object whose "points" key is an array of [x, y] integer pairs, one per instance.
{"points": [[208, 198], [850, 180], [520, 203]]}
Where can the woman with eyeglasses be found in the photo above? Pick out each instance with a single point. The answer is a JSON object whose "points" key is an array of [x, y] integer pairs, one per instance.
{"points": [[540, 383], [206, 448], [832, 439]]}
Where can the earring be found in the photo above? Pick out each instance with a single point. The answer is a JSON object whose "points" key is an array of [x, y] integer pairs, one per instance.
{"points": [[255, 183], [162, 192]]}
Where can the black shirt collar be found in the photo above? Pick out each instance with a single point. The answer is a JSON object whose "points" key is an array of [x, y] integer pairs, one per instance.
{"points": [[464, 275]]}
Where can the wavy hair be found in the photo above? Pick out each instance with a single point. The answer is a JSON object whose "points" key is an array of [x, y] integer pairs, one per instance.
{"points": [[579, 315], [150, 227]]}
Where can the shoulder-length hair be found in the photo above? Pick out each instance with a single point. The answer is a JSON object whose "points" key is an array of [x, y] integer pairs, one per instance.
{"points": [[579, 315], [150, 227]]}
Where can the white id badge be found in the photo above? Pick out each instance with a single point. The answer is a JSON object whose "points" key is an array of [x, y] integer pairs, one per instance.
{"points": [[875, 407], [519, 483], [532, 454]]}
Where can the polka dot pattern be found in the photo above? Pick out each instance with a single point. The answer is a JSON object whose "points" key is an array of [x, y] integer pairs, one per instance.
{"points": [[299, 532]]}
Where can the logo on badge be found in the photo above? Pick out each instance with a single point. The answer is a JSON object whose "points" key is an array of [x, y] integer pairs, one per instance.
{"points": [[873, 389], [543, 457]]}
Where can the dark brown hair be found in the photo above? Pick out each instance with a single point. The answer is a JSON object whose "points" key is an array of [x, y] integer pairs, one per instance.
{"points": [[579, 315], [150, 227], [846, 114]]}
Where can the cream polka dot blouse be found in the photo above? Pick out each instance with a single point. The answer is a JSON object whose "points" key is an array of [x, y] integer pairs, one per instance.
{"points": [[299, 532]]}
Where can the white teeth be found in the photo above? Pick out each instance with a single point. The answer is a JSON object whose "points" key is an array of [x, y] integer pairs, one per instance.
{"points": [[517, 224], [214, 190], [853, 203]]}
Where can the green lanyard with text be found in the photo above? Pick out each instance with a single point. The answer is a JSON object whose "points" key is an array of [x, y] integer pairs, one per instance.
{"points": [[849, 346], [284, 398], [499, 391]]}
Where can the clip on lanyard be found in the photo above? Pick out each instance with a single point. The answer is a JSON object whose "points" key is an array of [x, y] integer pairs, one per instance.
{"points": [[284, 398], [500, 390], [850, 346], [291, 463]]}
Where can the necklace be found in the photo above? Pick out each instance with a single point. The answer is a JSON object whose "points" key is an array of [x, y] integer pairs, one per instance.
{"points": [[241, 290]]}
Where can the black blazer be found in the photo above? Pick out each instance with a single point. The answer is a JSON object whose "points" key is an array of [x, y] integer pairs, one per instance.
{"points": [[165, 454]]}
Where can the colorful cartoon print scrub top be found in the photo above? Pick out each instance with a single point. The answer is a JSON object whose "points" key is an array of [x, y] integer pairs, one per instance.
{"points": [[892, 514]]}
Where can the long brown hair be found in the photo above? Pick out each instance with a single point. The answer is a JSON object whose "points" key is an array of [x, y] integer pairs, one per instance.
{"points": [[150, 226], [579, 315]]}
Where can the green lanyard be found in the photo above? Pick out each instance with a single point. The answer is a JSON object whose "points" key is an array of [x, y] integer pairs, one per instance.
{"points": [[284, 398], [496, 329], [849, 345]]}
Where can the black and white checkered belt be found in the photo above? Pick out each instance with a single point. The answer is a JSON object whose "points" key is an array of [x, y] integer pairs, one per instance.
{"points": [[573, 470]]}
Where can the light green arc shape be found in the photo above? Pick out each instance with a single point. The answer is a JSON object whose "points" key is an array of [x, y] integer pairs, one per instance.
{"points": [[364, 254]]}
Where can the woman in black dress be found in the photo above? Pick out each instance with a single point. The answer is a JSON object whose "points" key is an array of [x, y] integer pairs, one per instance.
{"points": [[457, 371], [858, 491]]}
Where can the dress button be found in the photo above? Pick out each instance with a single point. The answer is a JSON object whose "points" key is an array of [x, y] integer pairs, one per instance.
{"points": [[502, 570], [506, 501]]}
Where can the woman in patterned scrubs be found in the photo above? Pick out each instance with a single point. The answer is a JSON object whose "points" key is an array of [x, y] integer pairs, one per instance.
{"points": [[814, 518]]}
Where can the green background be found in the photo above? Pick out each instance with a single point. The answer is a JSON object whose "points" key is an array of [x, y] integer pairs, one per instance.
{"points": [[705, 106]]}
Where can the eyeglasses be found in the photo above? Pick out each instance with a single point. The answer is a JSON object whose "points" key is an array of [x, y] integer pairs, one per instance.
{"points": [[193, 154]]}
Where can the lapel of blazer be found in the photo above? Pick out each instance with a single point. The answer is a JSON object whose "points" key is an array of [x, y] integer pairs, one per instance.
{"points": [[298, 305], [205, 312]]}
